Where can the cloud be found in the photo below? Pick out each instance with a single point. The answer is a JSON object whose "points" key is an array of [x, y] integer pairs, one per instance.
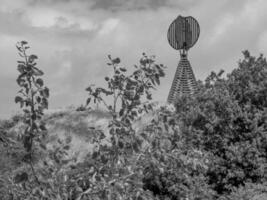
{"points": [[73, 38], [108, 26], [117, 5], [128, 5]]}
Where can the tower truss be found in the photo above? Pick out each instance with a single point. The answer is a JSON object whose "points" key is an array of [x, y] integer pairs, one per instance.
{"points": [[183, 33], [184, 81]]}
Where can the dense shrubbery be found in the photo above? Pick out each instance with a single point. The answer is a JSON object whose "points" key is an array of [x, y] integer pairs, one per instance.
{"points": [[228, 119], [214, 146]]}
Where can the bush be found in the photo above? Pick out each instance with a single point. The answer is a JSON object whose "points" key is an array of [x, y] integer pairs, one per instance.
{"points": [[228, 119]]}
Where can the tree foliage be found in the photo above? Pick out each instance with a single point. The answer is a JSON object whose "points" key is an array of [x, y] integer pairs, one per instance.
{"points": [[228, 118]]}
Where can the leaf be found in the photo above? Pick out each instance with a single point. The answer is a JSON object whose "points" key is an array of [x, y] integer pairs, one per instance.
{"points": [[94, 155], [165, 118], [23, 42], [106, 92], [37, 72], [68, 140], [18, 99], [134, 113], [149, 96], [21, 62], [42, 127], [45, 103], [20, 80], [27, 143], [104, 160], [102, 135], [45, 92], [34, 125], [89, 88], [121, 112], [21, 177], [38, 99], [27, 158], [21, 68], [43, 146], [33, 57], [116, 60], [120, 144], [153, 82], [123, 69], [21, 104], [88, 101], [66, 147], [157, 79], [40, 82], [161, 73], [26, 111], [19, 48]]}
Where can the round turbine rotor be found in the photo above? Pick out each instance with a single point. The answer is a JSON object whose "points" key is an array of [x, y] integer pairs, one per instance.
{"points": [[183, 33]]}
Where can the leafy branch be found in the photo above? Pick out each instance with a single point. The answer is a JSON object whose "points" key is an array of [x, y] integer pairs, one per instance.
{"points": [[32, 97], [128, 90]]}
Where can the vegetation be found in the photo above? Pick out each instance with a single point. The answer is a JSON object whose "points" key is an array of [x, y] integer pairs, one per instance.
{"points": [[228, 119], [213, 145], [32, 97]]}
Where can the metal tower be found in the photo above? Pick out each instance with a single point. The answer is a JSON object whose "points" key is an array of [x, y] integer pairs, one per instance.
{"points": [[183, 33]]}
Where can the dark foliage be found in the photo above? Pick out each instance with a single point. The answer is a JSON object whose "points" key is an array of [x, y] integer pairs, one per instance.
{"points": [[228, 118]]}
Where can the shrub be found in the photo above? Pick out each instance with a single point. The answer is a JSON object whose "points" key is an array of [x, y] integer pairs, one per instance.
{"points": [[227, 118], [153, 160]]}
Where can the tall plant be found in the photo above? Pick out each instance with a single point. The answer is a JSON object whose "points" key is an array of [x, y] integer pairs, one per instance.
{"points": [[115, 170], [127, 93], [128, 90], [33, 100]]}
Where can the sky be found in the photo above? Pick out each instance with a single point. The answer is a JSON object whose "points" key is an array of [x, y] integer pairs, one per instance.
{"points": [[72, 39]]}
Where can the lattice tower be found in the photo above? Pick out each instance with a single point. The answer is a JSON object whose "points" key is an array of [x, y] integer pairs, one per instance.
{"points": [[184, 81], [183, 33]]}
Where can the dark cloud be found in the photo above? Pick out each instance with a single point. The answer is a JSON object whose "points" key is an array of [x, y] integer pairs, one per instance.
{"points": [[37, 2], [129, 5], [114, 5]]}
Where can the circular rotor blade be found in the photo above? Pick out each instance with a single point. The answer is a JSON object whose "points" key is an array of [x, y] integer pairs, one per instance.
{"points": [[183, 32]]}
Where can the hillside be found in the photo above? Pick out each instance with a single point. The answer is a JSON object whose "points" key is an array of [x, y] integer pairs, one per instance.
{"points": [[68, 130], [61, 126]]}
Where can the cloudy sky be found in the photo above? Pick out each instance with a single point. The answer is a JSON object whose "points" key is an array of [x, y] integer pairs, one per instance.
{"points": [[72, 39]]}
